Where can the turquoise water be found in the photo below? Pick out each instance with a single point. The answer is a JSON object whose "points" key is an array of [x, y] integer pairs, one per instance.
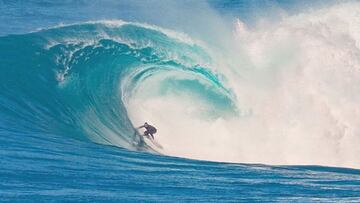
{"points": [[71, 95]]}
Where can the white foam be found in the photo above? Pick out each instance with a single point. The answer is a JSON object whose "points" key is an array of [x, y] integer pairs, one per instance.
{"points": [[301, 79]]}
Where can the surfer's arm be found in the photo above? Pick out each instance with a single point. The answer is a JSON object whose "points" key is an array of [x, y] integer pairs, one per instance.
{"points": [[140, 127]]}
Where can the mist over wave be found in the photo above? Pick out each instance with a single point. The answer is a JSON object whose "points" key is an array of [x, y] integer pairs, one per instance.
{"points": [[296, 83], [277, 92]]}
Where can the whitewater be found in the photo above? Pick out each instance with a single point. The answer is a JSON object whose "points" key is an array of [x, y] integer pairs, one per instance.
{"points": [[264, 105]]}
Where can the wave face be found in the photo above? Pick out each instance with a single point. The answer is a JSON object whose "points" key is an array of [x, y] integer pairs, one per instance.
{"points": [[84, 80], [281, 93]]}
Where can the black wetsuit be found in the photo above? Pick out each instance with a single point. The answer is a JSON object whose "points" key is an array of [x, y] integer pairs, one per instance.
{"points": [[150, 130]]}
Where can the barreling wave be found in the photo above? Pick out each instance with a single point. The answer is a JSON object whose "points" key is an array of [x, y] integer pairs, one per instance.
{"points": [[282, 92], [77, 80]]}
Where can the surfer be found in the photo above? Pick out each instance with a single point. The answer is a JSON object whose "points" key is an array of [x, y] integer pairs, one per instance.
{"points": [[150, 130]]}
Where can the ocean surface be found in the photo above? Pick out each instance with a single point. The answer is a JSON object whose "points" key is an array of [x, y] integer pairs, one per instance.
{"points": [[254, 101]]}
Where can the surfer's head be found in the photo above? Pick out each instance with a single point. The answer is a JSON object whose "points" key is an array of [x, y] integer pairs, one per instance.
{"points": [[146, 124]]}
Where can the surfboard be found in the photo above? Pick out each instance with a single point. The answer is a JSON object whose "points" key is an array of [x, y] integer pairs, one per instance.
{"points": [[148, 141], [153, 141]]}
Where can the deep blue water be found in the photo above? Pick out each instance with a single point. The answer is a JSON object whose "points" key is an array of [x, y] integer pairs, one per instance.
{"points": [[66, 91]]}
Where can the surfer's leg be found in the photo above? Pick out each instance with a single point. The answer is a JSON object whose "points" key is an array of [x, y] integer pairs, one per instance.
{"points": [[146, 133], [152, 135]]}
